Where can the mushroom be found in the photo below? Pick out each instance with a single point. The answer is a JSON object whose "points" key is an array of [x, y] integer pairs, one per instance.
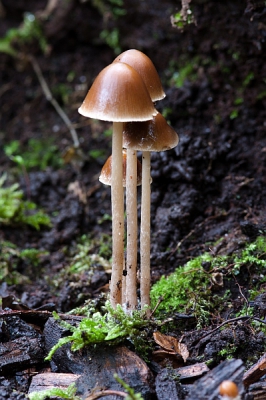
{"points": [[118, 94], [106, 172], [154, 135], [144, 66], [106, 178], [229, 390]]}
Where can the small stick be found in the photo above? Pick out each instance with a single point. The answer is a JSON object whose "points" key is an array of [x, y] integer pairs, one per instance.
{"points": [[229, 321], [52, 100], [156, 306], [103, 393]]}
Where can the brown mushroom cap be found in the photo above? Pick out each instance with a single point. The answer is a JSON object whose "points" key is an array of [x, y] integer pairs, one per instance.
{"points": [[118, 94], [106, 173], [145, 67], [228, 389], [153, 135]]}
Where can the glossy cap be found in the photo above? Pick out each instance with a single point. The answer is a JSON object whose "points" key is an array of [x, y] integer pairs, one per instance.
{"points": [[154, 135], [106, 173], [228, 389], [145, 67], [118, 94]]}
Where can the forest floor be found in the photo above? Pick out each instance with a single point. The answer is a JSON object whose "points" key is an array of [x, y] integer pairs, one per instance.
{"points": [[208, 194]]}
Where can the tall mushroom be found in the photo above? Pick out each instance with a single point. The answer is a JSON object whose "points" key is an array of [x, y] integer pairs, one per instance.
{"points": [[144, 66], [118, 94], [154, 135], [106, 178]]}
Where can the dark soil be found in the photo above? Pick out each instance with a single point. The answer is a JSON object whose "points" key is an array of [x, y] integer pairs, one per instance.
{"points": [[211, 186]]}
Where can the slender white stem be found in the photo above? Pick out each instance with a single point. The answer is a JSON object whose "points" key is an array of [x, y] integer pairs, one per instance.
{"points": [[132, 229], [117, 195], [145, 278]]}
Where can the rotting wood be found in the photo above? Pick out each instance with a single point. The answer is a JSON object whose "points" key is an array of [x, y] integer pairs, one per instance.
{"points": [[20, 354], [98, 363], [255, 372], [50, 380], [207, 387], [257, 391], [192, 371]]}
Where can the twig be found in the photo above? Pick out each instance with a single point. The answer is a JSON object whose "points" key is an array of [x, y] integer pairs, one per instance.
{"points": [[103, 393], [52, 100], [156, 306], [229, 321]]}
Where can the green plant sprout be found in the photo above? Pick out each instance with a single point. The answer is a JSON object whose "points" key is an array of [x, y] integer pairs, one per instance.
{"points": [[228, 352], [183, 18], [29, 31], [112, 39], [90, 252], [113, 326], [188, 289], [69, 393], [38, 154], [113, 7], [11, 256], [14, 210], [131, 395]]}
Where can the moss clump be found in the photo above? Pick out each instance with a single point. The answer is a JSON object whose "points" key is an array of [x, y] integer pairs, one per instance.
{"points": [[112, 326], [184, 290], [189, 288], [55, 392], [10, 259], [38, 154], [15, 210]]}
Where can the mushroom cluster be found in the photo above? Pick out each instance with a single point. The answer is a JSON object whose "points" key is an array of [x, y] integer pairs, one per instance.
{"points": [[124, 92]]}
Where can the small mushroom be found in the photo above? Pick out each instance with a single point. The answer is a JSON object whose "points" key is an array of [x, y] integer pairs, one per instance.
{"points": [[118, 94], [144, 66], [154, 135], [106, 172], [229, 390]]}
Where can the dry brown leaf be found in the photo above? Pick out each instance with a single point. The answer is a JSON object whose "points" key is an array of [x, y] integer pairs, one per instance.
{"points": [[171, 345]]}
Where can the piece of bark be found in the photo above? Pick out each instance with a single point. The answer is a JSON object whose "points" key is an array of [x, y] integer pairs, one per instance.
{"points": [[255, 372], [167, 386], [167, 382], [50, 380], [97, 364], [256, 391], [207, 387], [22, 345], [192, 371], [20, 354]]}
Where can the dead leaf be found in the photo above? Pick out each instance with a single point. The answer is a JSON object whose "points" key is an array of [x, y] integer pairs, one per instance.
{"points": [[171, 345]]}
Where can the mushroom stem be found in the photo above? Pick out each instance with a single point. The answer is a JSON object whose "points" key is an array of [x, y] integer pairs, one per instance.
{"points": [[145, 230], [117, 196], [132, 226]]}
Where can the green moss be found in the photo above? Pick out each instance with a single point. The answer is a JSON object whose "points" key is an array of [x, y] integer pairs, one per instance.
{"points": [[16, 38], [38, 154], [189, 288], [68, 393], [186, 290], [90, 252], [11, 257], [14, 210], [112, 326]]}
